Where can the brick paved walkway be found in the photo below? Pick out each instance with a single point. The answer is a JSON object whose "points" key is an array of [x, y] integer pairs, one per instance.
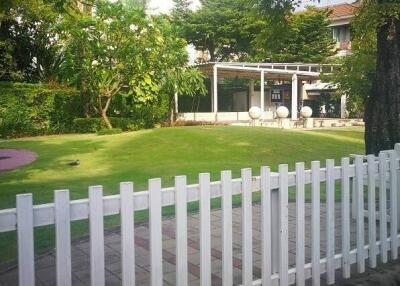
{"points": [[45, 265]]}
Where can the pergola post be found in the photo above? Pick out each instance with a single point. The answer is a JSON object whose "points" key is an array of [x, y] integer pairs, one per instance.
{"points": [[295, 88], [343, 100], [215, 91], [262, 95]]}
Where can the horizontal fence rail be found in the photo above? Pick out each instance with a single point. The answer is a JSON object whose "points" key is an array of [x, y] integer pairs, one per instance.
{"points": [[366, 187]]}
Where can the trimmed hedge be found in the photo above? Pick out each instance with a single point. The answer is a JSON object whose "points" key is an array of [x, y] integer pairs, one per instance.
{"points": [[91, 125], [107, 131], [36, 109]]}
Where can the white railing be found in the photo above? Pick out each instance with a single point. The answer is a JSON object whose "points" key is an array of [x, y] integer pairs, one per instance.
{"points": [[327, 68], [378, 173]]}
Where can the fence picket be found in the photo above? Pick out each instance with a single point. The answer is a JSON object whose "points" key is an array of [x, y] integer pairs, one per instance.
{"points": [[284, 229], [345, 186], [155, 232], [359, 178], [205, 232], [382, 207], [397, 149], [393, 203], [354, 203], [247, 232], [371, 211], [266, 230], [97, 276], [181, 231], [275, 240], [63, 238], [330, 221], [226, 186], [26, 258], [315, 224], [127, 234], [300, 225]]}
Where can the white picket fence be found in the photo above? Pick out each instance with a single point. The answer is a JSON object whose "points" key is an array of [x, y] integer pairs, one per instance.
{"points": [[379, 174]]}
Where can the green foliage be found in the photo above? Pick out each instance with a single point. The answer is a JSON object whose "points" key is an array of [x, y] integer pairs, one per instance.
{"points": [[111, 131], [180, 15], [29, 109], [94, 124], [122, 51], [300, 37], [224, 28], [28, 49], [87, 125], [149, 114]]}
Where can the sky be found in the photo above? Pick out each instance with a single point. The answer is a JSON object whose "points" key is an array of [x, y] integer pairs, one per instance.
{"points": [[164, 6]]}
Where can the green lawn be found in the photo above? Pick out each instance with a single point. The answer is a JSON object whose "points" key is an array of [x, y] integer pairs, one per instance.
{"points": [[139, 156]]}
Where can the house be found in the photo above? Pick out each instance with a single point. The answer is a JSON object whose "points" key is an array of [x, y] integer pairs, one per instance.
{"points": [[340, 18]]}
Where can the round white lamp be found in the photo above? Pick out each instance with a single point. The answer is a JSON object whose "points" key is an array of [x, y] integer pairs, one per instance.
{"points": [[282, 112], [255, 112], [306, 112]]}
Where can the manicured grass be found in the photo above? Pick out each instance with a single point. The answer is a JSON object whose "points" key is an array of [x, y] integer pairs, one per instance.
{"points": [[139, 156]]}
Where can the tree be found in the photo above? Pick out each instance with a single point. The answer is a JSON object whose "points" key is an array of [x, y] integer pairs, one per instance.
{"points": [[222, 28], [126, 53], [181, 8], [180, 14], [136, 3], [28, 49], [303, 37], [183, 81], [382, 120]]}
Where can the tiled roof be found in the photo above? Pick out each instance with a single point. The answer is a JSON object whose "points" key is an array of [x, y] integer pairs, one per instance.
{"points": [[343, 10]]}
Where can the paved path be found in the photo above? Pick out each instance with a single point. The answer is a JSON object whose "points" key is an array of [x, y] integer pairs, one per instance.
{"points": [[11, 159], [45, 265]]}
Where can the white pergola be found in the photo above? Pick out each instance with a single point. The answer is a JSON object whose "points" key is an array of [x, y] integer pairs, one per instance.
{"points": [[262, 71]]}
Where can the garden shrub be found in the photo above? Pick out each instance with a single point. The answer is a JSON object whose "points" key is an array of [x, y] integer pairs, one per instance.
{"points": [[121, 123], [87, 125], [94, 124], [106, 131], [35, 109], [39, 109], [148, 115]]}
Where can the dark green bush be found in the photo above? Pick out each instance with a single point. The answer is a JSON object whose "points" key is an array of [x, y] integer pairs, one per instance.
{"points": [[122, 123], [91, 125], [106, 131], [87, 125], [34, 109], [37, 109]]}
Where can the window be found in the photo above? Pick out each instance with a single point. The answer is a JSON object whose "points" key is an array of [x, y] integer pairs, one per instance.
{"points": [[336, 34]]}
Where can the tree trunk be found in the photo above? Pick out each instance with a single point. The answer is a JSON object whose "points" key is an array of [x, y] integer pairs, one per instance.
{"points": [[104, 113], [106, 120], [382, 114], [172, 117], [211, 50]]}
